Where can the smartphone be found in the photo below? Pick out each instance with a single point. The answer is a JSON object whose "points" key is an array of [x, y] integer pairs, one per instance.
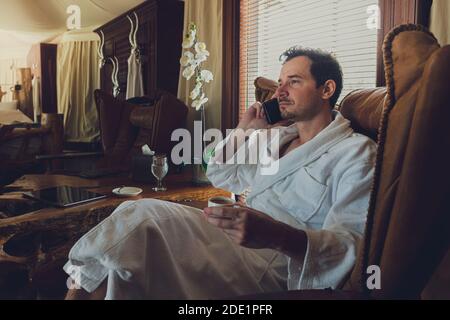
{"points": [[272, 111]]}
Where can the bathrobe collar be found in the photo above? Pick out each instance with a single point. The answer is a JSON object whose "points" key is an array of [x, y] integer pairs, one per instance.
{"points": [[338, 130]]}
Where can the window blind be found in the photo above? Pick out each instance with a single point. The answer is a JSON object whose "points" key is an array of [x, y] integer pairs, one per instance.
{"points": [[269, 27]]}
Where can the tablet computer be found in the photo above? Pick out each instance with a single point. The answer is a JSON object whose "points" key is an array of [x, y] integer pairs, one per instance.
{"points": [[64, 196]]}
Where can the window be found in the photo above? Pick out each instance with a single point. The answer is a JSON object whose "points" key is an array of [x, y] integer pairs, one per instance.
{"points": [[8, 75], [343, 27]]}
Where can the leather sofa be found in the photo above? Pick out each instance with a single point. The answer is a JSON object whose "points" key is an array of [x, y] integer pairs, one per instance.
{"points": [[408, 224]]}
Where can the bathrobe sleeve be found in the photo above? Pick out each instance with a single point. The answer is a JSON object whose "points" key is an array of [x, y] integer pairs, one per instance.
{"points": [[331, 251], [238, 173]]}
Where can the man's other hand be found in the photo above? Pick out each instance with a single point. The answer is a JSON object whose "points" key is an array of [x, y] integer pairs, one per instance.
{"points": [[245, 226]]}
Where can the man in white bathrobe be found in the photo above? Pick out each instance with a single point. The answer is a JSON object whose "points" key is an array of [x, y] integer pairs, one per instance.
{"points": [[301, 227]]}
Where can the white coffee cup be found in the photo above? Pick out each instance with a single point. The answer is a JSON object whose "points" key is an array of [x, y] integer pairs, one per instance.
{"points": [[220, 201]]}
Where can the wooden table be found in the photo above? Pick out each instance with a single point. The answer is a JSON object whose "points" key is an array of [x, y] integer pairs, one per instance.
{"points": [[40, 240]]}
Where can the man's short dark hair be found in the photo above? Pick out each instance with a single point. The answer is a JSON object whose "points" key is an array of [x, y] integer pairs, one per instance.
{"points": [[324, 67]]}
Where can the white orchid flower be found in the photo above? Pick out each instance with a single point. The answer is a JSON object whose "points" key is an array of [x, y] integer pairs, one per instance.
{"points": [[193, 33], [188, 72], [195, 54], [198, 85], [187, 59], [195, 63], [198, 60], [202, 55], [206, 76], [200, 47], [197, 104], [192, 29], [188, 42], [196, 92]]}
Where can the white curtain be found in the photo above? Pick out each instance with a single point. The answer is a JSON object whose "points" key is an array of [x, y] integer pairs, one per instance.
{"points": [[207, 15], [440, 21], [77, 77]]}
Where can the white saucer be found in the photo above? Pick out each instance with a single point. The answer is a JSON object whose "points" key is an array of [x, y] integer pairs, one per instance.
{"points": [[127, 191]]}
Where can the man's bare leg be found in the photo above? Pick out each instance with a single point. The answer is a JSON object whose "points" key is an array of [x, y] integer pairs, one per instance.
{"points": [[81, 294]]}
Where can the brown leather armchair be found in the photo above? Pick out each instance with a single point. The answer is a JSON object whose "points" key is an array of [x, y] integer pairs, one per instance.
{"points": [[126, 126], [408, 223]]}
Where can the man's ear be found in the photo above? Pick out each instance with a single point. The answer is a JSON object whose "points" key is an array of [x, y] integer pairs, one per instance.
{"points": [[329, 88]]}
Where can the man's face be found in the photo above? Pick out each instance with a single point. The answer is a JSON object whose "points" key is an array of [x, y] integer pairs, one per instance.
{"points": [[299, 98]]}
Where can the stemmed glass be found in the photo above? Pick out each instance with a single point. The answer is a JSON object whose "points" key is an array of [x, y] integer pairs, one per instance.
{"points": [[160, 167]]}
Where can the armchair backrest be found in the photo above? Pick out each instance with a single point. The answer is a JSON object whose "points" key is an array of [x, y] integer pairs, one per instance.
{"points": [[408, 223], [157, 122], [125, 126], [264, 89], [116, 132]]}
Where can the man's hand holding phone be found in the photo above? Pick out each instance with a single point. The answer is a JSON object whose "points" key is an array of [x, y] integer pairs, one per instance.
{"points": [[253, 118], [263, 116]]}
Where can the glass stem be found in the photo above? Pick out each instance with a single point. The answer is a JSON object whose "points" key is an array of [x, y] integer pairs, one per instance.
{"points": [[159, 184]]}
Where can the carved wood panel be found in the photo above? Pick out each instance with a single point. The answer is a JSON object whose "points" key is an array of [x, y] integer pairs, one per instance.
{"points": [[159, 39]]}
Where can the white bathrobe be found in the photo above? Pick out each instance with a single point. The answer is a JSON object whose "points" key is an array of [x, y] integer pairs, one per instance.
{"points": [[321, 187], [135, 83], [156, 249]]}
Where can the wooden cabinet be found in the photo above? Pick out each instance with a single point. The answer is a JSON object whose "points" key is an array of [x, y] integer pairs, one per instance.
{"points": [[42, 61], [159, 38]]}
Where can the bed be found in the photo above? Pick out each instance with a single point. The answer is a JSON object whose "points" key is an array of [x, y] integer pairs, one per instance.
{"points": [[13, 116]]}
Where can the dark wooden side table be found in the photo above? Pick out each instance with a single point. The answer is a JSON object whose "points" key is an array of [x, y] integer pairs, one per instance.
{"points": [[34, 246]]}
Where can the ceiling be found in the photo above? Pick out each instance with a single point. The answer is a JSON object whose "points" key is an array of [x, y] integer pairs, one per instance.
{"points": [[24, 22], [49, 15]]}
